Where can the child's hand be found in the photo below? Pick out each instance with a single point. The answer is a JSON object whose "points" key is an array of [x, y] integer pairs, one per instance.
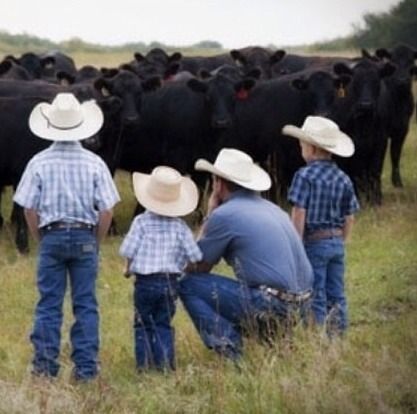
{"points": [[127, 273]]}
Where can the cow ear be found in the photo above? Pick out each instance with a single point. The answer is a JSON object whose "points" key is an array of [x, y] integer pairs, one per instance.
{"points": [[238, 57], [277, 56], [139, 57], [300, 84], [197, 86], [383, 53], [387, 70], [152, 84], [341, 68], [254, 73], [365, 54], [65, 78], [5, 66], [103, 86], [48, 62], [175, 57]]}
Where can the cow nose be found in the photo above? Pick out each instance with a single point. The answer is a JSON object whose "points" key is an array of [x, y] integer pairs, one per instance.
{"points": [[221, 123]]}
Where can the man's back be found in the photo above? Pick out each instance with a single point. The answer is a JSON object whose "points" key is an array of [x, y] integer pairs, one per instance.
{"points": [[259, 241]]}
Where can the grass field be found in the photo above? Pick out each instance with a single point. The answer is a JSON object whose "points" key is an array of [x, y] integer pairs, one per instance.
{"points": [[373, 370]]}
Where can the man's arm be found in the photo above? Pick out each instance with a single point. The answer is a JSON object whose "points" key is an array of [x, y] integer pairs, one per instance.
{"points": [[104, 222], [298, 217], [347, 228], [32, 220]]}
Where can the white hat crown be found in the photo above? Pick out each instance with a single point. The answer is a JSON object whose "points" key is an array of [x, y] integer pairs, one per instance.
{"points": [[164, 184], [65, 112]]}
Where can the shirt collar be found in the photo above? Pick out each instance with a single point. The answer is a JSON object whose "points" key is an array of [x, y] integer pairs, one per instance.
{"points": [[66, 145]]}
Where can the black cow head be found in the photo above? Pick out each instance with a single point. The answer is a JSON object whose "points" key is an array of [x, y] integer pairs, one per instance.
{"points": [[220, 96], [257, 57], [129, 89], [364, 90], [403, 57], [322, 89]]}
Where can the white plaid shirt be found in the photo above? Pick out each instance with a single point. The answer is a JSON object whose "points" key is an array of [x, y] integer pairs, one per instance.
{"points": [[158, 244], [66, 182]]}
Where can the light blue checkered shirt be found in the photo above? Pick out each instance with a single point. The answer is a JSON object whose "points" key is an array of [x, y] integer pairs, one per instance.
{"points": [[157, 244], [68, 183]]}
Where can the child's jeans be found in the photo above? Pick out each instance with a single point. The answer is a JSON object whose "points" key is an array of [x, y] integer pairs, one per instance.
{"points": [[154, 299], [327, 256]]}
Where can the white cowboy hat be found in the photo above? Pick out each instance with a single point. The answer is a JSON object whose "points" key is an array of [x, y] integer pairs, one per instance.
{"points": [[165, 192], [324, 133], [238, 167], [66, 119]]}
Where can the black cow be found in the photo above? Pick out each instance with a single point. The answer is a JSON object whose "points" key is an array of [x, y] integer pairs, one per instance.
{"points": [[11, 70], [400, 101], [45, 66], [362, 115], [257, 57], [155, 63], [275, 103]]}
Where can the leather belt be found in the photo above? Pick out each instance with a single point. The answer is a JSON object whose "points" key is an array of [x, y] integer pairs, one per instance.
{"points": [[323, 234], [287, 296], [61, 225]]}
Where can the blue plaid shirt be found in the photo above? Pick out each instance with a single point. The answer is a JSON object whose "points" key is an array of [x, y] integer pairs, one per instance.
{"points": [[66, 182], [158, 244], [327, 194]]}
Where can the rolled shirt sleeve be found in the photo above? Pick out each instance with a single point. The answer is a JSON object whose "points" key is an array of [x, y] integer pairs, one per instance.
{"points": [[28, 191], [131, 241], [191, 248], [105, 191], [299, 191]]}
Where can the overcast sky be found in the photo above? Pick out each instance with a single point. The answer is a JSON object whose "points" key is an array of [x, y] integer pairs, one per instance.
{"points": [[234, 23]]}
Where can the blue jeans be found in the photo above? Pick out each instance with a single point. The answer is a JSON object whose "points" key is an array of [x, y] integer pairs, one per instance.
{"points": [[72, 253], [222, 308], [329, 305], [154, 299]]}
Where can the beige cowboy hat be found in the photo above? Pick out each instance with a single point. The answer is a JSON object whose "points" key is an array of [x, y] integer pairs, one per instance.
{"points": [[324, 133], [65, 119], [166, 192], [238, 167]]}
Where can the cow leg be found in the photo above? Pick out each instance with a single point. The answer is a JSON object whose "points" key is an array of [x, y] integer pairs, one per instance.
{"points": [[397, 142], [21, 231], [1, 217]]}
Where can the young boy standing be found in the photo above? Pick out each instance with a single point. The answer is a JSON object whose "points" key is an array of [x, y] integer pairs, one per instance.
{"points": [[324, 202], [157, 247]]}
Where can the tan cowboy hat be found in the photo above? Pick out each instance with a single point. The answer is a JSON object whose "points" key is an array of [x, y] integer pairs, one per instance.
{"points": [[166, 192], [65, 119], [324, 133], [238, 167]]}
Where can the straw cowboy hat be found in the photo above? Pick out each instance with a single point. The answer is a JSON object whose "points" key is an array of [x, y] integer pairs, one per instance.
{"points": [[323, 133], [166, 192], [238, 167], [65, 119]]}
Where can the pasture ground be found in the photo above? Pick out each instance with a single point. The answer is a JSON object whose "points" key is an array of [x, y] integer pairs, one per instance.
{"points": [[373, 370]]}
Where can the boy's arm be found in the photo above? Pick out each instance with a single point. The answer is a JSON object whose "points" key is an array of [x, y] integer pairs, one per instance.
{"points": [[298, 217], [32, 220], [347, 227], [126, 271]]}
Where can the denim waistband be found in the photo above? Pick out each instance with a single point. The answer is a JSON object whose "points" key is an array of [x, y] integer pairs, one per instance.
{"points": [[62, 225]]}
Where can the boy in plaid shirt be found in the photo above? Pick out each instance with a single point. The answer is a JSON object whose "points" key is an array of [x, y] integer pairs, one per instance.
{"points": [[157, 247], [324, 202]]}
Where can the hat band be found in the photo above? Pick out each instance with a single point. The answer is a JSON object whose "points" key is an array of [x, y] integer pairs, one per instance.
{"points": [[49, 123]]}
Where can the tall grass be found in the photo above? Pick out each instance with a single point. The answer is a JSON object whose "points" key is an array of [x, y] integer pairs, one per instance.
{"points": [[373, 370]]}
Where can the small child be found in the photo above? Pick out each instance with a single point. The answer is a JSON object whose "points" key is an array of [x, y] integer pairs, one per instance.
{"points": [[157, 247], [324, 202]]}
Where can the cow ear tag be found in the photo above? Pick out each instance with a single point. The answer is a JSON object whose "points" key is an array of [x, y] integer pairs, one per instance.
{"points": [[341, 92], [242, 94]]}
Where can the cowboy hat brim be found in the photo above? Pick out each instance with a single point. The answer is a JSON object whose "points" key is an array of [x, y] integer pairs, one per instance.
{"points": [[92, 117], [260, 180], [342, 144], [185, 204]]}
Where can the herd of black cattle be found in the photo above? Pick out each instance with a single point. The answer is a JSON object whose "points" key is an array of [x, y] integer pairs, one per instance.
{"points": [[170, 109]]}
